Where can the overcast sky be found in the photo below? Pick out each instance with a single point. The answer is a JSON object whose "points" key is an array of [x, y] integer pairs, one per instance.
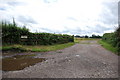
{"points": [[76, 17]]}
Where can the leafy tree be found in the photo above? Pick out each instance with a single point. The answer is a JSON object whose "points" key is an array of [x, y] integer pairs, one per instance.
{"points": [[86, 36], [77, 36], [95, 36]]}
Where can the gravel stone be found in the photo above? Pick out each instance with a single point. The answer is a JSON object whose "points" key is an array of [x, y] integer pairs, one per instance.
{"points": [[78, 61]]}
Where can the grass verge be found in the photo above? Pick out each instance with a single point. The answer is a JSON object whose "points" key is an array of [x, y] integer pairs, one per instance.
{"points": [[108, 46], [35, 48]]}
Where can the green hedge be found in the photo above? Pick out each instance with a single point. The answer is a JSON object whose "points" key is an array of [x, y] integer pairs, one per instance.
{"points": [[110, 38], [47, 39], [113, 39], [11, 34], [117, 35]]}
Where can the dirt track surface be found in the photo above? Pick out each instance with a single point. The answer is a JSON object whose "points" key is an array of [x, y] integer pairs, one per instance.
{"points": [[84, 60]]}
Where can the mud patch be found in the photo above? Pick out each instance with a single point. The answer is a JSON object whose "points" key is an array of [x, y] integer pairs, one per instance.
{"points": [[19, 62], [24, 56]]}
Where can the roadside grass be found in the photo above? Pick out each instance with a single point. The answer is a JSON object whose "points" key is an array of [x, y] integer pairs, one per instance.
{"points": [[35, 48], [108, 46], [50, 47]]}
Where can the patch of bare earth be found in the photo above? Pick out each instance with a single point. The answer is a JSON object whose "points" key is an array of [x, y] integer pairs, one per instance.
{"points": [[84, 60]]}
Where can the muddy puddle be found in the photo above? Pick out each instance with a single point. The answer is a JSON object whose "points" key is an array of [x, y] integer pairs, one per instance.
{"points": [[19, 62]]}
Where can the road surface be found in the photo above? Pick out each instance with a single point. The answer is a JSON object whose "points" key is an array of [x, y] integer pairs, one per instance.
{"points": [[86, 59]]}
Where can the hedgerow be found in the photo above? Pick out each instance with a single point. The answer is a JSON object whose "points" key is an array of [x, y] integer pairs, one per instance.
{"points": [[110, 38], [113, 39], [117, 35], [11, 34], [48, 39]]}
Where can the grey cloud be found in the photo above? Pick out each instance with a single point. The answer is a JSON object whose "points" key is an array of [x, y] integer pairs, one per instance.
{"points": [[2, 8], [46, 29], [49, 1], [76, 30], [101, 29], [72, 18], [10, 5], [98, 28], [108, 16], [46, 1], [109, 13], [92, 29], [13, 3], [26, 19], [66, 30]]}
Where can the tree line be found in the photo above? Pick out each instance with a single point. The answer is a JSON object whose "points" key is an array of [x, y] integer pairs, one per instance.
{"points": [[93, 36]]}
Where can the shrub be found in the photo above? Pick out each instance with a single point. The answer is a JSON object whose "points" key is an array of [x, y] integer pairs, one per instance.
{"points": [[117, 35], [113, 39], [110, 38]]}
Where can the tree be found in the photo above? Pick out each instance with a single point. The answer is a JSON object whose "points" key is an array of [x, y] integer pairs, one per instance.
{"points": [[14, 23], [77, 36], [86, 36], [95, 36]]}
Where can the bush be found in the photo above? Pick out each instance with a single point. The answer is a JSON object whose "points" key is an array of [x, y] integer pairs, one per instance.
{"points": [[117, 35], [48, 39], [113, 39], [110, 38]]}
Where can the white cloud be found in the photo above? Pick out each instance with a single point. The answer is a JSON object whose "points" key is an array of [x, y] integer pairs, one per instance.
{"points": [[61, 16]]}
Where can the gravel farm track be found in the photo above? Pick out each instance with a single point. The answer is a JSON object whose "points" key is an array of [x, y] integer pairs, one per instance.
{"points": [[86, 59]]}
